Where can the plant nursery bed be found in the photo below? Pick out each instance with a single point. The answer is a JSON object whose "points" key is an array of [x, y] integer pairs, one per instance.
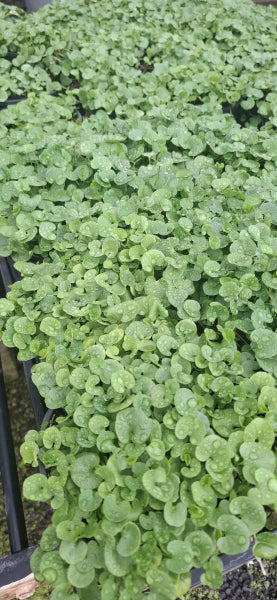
{"points": [[81, 319], [243, 583], [143, 301], [20, 562]]}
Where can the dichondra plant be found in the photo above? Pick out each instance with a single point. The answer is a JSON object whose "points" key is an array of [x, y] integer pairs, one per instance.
{"points": [[146, 241]]}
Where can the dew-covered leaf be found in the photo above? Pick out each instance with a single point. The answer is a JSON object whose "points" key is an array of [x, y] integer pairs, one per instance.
{"points": [[264, 343], [265, 546], [36, 487], [72, 552], [132, 424], [116, 564], [181, 556], [83, 470], [251, 512], [130, 538], [6, 306], [175, 514], [261, 431], [50, 326], [161, 486], [237, 535], [81, 574], [114, 509], [202, 545]]}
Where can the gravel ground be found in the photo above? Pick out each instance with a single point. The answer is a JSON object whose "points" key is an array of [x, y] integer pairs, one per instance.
{"points": [[246, 583]]}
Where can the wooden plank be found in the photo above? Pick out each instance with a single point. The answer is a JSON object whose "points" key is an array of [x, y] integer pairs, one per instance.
{"points": [[24, 588]]}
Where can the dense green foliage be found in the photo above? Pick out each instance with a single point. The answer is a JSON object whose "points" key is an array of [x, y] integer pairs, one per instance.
{"points": [[120, 55], [146, 239]]}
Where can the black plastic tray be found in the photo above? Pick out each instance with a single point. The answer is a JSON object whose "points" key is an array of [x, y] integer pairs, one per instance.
{"points": [[12, 101]]}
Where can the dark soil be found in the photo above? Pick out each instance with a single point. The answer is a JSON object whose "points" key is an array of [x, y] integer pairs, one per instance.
{"points": [[246, 583]]}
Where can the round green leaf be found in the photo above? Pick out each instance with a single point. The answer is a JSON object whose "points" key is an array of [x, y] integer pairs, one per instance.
{"points": [[129, 541], [72, 552], [213, 573], [264, 342], [215, 448], [62, 377], [202, 545], [36, 487], [262, 379], [181, 559], [52, 437], [6, 306], [212, 268], [122, 380], [190, 426], [202, 492], [49, 540], [98, 423], [237, 535], [78, 377], [89, 500], [46, 230], [69, 530], [156, 449], [152, 259], [165, 344], [75, 305], [61, 593], [81, 416], [115, 510], [175, 514], [50, 326], [81, 574], [161, 486], [251, 512], [51, 566], [160, 582], [132, 424], [24, 325], [265, 546], [189, 351], [259, 429], [82, 471], [117, 565], [96, 554], [184, 399]]}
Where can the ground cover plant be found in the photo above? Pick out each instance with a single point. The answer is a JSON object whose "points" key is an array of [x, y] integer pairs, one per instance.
{"points": [[247, 581], [148, 294], [145, 233], [154, 52]]}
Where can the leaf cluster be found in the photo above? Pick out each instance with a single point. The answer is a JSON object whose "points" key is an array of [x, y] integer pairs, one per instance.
{"points": [[154, 52], [146, 240]]}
